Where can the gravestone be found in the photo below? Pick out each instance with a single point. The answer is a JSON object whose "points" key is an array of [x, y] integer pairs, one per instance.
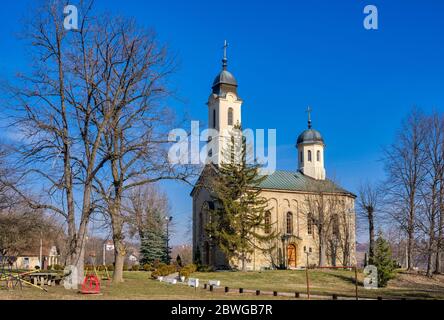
{"points": [[215, 283], [192, 282]]}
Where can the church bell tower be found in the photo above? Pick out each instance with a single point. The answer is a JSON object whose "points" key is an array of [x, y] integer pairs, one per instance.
{"points": [[311, 146], [224, 110]]}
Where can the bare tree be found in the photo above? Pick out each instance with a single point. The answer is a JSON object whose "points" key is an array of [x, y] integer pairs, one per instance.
{"points": [[136, 137], [61, 119], [404, 163], [429, 222], [369, 200], [144, 203]]}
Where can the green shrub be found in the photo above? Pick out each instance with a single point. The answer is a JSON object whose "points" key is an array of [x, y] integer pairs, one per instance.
{"points": [[110, 267], [56, 267], [135, 267], [205, 268], [148, 267], [125, 267], [155, 274], [192, 267], [185, 272], [157, 264]]}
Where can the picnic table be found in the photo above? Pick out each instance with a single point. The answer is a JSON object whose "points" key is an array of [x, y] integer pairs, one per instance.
{"points": [[45, 278]]}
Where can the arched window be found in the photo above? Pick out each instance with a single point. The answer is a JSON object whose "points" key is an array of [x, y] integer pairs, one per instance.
{"points": [[267, 221], [302, 157], [309, 156], [309, 223], [230, 116], [289, 223], [318, 156], [214, 119]]}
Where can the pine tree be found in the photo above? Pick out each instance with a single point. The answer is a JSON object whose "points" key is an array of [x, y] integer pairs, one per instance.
{"points": [[237, 224], [154, 240], [152, 247], [383, 261]]}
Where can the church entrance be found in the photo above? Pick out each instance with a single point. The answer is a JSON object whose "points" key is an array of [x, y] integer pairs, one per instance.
{"points": [[291, 254]]}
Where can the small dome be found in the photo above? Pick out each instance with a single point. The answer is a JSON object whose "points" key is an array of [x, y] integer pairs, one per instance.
{"points": [[225, 77], [310, 136]]}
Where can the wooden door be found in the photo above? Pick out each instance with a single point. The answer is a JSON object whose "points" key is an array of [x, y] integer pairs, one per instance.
{"points": [[291, 254]]}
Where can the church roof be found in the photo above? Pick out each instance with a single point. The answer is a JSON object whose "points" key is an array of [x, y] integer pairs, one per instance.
{"points": [[297, 181]]}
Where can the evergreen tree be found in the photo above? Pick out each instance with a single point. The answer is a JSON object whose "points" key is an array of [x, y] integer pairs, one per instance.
{"points": [[179, 261], [154, 240], [237, 223], [383, 261], [152, 247]]}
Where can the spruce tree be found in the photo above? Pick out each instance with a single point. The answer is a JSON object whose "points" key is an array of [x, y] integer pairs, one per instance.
{"points": [[152, 247], [237, 223], [383, 261], [153, 242]]}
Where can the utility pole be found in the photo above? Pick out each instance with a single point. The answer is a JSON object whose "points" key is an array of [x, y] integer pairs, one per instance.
{"points": [[168, 220], [307, 252], [104, 253], [41, 251]]}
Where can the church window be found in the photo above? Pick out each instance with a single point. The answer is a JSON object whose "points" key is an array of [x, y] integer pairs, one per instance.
{"points": [[302, 157], [214, 119], [309, 224], [267, 222], [318, 156], [289, 223], [230, 116], [309, 156]]}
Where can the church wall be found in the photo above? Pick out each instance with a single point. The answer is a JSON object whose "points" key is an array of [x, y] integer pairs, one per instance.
{"points": [[280, 203]]}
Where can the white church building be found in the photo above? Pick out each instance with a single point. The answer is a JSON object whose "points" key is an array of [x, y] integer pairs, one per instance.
{"points": [[311, 215]]}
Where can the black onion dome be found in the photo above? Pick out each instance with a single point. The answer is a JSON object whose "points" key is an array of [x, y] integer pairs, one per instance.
{"points": [[310, 136]]}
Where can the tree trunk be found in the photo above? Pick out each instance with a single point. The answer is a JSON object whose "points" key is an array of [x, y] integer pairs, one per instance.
{"points": [[410, 236], [322, 249], [439, 239], [119, 245], [371, 236], [119, 254]]}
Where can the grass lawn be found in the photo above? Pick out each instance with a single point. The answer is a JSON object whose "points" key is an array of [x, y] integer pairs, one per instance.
{"points": [[139, 286]]}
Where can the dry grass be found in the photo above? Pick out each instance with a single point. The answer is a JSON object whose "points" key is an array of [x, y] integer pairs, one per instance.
{"points": [[138, 286]]}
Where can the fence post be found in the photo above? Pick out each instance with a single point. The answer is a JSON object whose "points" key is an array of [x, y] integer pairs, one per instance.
{"points": [[227, 289], [241, 290], [258, 292], [296, 294]]}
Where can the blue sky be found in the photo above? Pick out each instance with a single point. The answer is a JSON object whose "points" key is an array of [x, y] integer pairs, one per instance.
{"points": [[287, 55]]}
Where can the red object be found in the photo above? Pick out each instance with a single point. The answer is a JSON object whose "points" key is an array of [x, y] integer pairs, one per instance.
{"points": [[90, 285]]}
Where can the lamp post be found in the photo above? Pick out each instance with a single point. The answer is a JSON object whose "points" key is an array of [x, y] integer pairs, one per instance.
{"points": [[168, 220], [307, 252]]}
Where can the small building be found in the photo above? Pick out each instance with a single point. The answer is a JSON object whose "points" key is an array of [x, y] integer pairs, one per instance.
{"points": [[31, 259]]}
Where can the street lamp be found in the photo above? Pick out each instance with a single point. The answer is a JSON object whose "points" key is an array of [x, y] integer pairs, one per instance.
{"points": [[168, 220], [307, 252]]}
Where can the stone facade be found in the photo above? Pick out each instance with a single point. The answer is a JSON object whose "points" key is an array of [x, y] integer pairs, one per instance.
{"points": [[290, 216]]}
